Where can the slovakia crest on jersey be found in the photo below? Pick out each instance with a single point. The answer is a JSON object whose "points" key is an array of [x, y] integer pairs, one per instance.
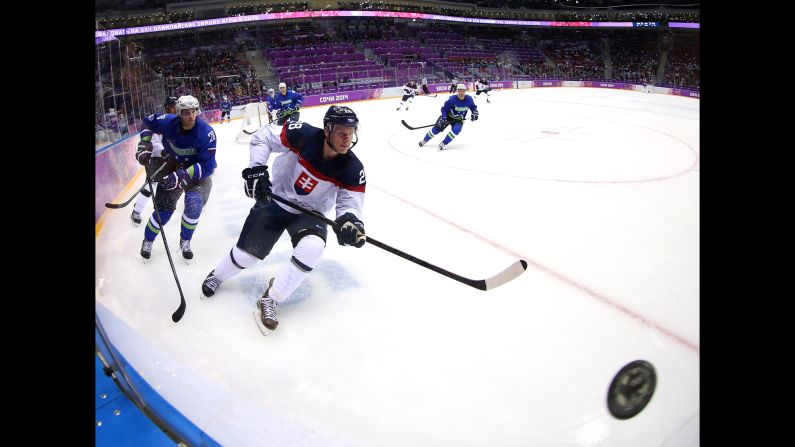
{"points": [[305, 184]]}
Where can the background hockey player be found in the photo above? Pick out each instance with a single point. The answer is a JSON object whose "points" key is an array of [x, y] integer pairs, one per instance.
{"points": [[453, 86], [226, 109], [270, 100], [454, 112], [409, 90], [154, 163], [189, 142], [288, 104], [317, 170], [425, 86], [482, 86]]}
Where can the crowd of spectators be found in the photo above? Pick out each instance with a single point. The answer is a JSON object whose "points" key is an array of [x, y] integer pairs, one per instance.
{"points": [[571, 54], [110, 18]]}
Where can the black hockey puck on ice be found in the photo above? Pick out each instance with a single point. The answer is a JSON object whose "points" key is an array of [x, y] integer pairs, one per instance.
{"points": [[631, 389]]}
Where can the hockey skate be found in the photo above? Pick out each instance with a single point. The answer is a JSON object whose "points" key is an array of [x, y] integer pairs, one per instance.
{"points": [[136, 218], [442, 146], [146, 249], [211, 284], [184, 247], [265, 312], [421, 143]]}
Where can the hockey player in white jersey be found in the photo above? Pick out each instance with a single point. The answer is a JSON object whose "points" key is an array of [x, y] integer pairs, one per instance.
{"points": [[409, 91], [482, 86], [316, 170]]}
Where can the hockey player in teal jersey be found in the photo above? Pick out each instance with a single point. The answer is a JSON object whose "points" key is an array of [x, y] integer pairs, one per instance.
{"points": [[189, 149], [170, 105], [226, 109], [454, 112], [288, 104]]}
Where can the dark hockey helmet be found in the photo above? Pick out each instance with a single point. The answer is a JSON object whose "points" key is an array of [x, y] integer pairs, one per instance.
{"points": [[340, 115], [170, 101]]}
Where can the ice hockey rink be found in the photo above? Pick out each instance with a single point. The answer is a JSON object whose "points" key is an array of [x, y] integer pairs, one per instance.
{"points": [[597, 189]]}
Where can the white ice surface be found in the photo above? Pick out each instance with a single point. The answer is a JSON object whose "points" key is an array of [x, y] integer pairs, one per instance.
{"points": [[597, 189]]}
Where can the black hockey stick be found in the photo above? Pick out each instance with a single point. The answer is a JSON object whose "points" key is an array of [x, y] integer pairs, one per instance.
{"points": [[428, 96], [127, 202], [177, 315], [415, 128], [249, 133], [510, 273], [422, 127]]}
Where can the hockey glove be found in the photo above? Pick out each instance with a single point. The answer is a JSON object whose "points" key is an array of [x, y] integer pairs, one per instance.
{"points": [[176, 180], [351, 230], [474, 116], [257, 183], [144, 152], [154, 164]]}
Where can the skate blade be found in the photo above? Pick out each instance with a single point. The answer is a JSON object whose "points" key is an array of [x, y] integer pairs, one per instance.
{"points": [[264, 329], [257, 320]]}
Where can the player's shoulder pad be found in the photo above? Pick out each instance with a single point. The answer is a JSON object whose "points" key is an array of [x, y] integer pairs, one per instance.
{"points": [[354, 171], [299, 133]]}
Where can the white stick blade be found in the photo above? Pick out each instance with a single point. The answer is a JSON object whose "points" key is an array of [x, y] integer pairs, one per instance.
{"points": [[513, 271]]}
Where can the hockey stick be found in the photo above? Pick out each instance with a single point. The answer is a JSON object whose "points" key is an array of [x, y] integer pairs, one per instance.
{"points": [[510, 273], [428, 96], [177, 315], [127, 202], [423, 127], [415, 128]]}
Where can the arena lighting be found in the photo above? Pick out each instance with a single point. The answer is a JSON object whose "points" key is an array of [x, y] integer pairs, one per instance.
{"points": [[325, 14]]}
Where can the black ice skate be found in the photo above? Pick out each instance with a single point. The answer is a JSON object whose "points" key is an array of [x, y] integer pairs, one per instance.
{"points": [[265, 313], [184, 247], [146, 249], [210, 284], [136, 217]]}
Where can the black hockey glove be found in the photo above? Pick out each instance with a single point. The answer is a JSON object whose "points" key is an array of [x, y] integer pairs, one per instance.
{"points": [[474, 116], [455, 117], [351, 231], [257, 183], [154, 164], [144, 152]]}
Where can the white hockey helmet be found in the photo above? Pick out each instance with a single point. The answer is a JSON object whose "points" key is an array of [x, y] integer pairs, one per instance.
{"points": [[282, 84], [187, 102], [270, 91], [461, 87]]}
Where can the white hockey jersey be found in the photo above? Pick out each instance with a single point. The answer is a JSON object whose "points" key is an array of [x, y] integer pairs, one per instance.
{"points": [[300, 174]]}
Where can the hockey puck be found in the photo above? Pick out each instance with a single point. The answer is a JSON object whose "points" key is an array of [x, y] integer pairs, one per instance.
{"points": [[631, 389]]}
